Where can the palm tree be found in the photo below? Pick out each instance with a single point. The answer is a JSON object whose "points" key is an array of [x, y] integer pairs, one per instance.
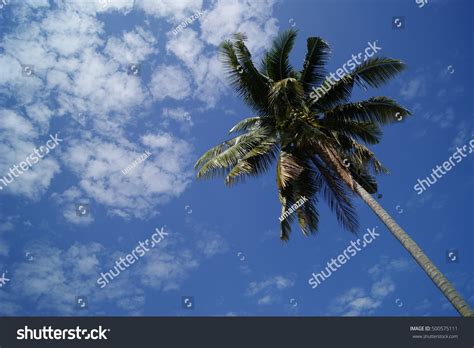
{"points": [[317, 142]]}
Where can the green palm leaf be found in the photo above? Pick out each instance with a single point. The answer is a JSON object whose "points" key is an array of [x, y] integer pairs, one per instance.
{"points": [[313, 68], [380, 110], [276, 63], [373, 72]]}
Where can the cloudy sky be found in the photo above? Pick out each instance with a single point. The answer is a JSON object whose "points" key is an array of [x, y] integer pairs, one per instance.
{"points": [[113, 80]]}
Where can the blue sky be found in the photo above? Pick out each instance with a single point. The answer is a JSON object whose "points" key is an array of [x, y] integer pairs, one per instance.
{"points": [[222, 247]]}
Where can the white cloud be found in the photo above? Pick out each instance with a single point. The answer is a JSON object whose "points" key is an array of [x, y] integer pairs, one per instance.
{"points": [[267, 290], [179, 115], [5, 226], [413, 88], [211, 243], [68, 201], [170, 81], [164, 270], [17, 135], [133, 48], [276, 282], [383, 288], [98, 164], [186, 46], [170, 10], [80, 71], [253, 18], [266, 300], [358, 301], [57, 277]]}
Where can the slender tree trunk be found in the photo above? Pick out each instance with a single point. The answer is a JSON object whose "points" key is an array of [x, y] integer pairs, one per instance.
{"points": [[430, 269]]}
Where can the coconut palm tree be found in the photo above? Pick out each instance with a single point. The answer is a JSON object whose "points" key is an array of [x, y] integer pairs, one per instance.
{"points": [[318, 142]]}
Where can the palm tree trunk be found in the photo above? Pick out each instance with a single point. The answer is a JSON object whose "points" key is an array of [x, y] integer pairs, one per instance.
{"points": [[430, 269]]}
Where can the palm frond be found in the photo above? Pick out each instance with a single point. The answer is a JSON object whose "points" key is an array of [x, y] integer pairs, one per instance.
{"points": [[337, 196], [288, 169], [244, 77], [229, 153], [382, 110], [255, 162], [368, 132], [276, 62], [286, 201], [286, 94], [316, 57], [359, 156], [308, 218], [253, 122], [373, 72]]}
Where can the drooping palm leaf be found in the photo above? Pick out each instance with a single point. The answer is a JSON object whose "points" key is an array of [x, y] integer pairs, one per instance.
{"points": [[229, 153], [337, 196], [255, 162]]}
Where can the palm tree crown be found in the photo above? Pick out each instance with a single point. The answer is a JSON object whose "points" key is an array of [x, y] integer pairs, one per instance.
{"points": [[319, 145]]}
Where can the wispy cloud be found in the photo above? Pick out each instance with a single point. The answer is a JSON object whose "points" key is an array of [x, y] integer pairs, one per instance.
{"points": [[267, 291]]}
